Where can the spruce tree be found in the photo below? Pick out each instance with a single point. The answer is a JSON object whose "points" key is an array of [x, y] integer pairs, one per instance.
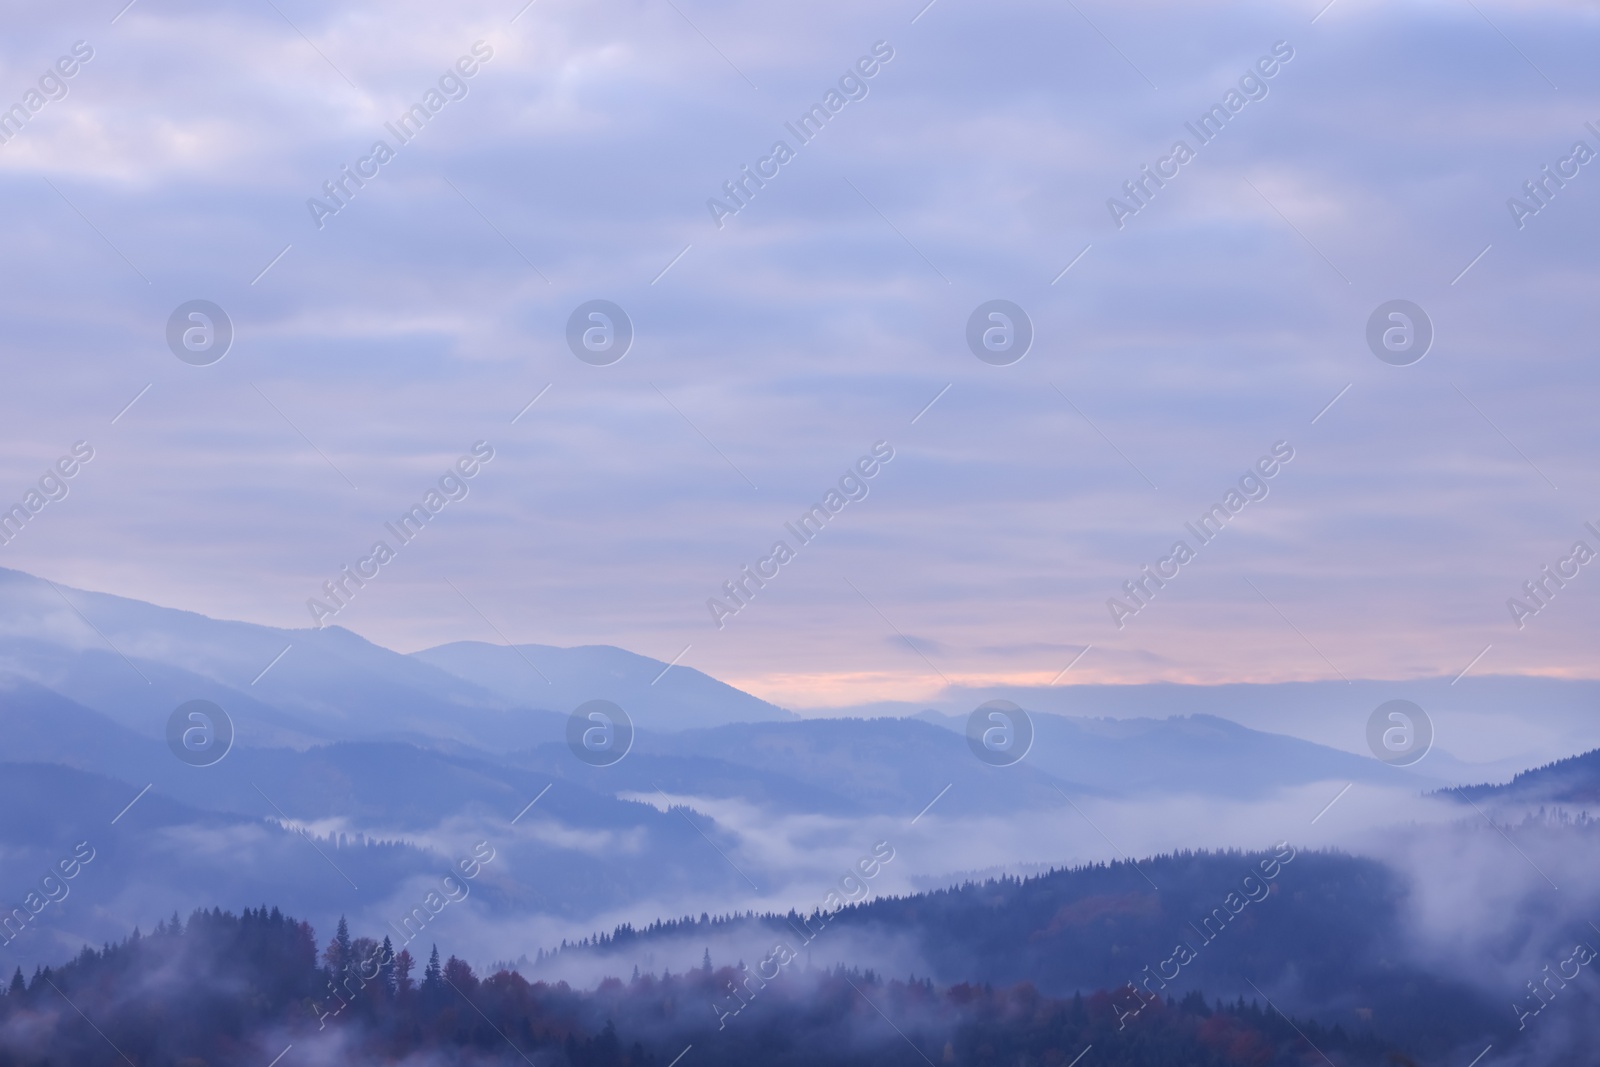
{"points": [[337, 954], [341, 938], [386, 973], [432, 981]]}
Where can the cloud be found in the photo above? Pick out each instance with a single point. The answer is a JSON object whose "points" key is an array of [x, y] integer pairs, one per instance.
{"points": [[825, 316]]}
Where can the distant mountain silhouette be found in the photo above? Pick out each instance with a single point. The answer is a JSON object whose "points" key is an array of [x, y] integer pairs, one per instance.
{"points": [[135, 662], [1199, 754], [544, 676]]}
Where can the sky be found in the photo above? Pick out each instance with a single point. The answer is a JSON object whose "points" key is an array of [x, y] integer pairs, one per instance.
{"points": [[1173, 347]]}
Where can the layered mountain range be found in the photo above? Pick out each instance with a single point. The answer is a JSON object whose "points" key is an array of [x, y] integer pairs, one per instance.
{"points": [[360, 777]]}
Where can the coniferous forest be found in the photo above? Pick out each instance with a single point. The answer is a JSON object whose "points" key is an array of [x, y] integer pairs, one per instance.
{"points": [[225, 988]]}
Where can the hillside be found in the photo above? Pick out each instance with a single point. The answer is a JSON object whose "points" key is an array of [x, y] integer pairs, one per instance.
{"points": [[1574, 780], [225, 989], [1320, 937]]}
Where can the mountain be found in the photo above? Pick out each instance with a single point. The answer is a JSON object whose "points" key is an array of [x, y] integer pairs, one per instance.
{"points": [[1196, 754], [658, 698], [1465, 711], [883, 766], [135, 662], [147, 853], [357, 766], [356, 782], [367, 831], [344, 780]]}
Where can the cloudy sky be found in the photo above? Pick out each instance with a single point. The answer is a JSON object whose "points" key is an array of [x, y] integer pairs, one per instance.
{"points": [[773, 351]]}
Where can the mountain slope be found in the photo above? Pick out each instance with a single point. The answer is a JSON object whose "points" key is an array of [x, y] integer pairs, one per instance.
{"points": [[1321, 936], [1198, 754], [150, 852], [1559, 712], [544, 676], [1573, 781], [135, 662], [250, 988], [887, 766]]}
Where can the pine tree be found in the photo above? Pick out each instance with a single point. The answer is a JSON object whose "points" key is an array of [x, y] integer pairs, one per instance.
{"points": [[705, 962], [17, 985]]}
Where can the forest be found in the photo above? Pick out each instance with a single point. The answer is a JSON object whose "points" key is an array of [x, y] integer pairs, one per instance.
{"points": [[1325, 941], [225, 988]]}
